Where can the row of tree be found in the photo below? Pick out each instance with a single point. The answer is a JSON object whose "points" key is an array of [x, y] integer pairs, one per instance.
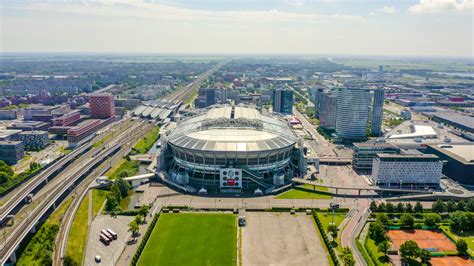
{"points": [[398, 208], [451, 206], [140, 218], [5, 172]]}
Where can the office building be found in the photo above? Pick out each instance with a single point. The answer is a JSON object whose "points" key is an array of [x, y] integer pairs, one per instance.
{"points": [[407, 171], [8, 114], [206, 97], [34, 140], [11, 152], [318, 92], [67, 119], [327, 110], [29, 126], [364, 154], [377, 112], [352, 113], [102, 105], [458, 160], [9, 134], [283, 101], [84, 131]]}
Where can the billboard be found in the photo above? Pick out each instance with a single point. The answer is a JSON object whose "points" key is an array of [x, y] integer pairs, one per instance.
{"points": [[230, 178]]}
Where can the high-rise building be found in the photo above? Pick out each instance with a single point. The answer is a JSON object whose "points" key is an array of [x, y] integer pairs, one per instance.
{"points": [[102, 105], [206, 97], [381, 68], [317, 101], [283, 101], [327, 110], [352, 113], [377, 112]]}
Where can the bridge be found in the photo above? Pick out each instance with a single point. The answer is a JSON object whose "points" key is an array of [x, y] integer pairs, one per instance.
{"points": [[359, 189], [335, 160]]}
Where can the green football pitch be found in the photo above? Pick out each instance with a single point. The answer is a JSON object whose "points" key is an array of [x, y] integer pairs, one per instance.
{"points": [[192, 239]]}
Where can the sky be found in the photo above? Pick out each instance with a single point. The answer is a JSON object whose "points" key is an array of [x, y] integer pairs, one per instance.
{"points": [[441, 28]]}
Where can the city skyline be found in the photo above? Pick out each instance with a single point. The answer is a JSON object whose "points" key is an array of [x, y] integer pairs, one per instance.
{"points": [[388, 28]]}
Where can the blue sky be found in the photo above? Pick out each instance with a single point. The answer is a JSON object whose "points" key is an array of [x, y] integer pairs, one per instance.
{"points": [[390, 28]]}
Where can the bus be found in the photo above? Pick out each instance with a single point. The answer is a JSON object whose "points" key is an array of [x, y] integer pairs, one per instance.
{"points": [[112, 233], [104, 239], [107, 234]]}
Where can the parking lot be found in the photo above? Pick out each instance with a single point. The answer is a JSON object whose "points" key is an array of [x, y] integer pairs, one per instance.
{"points": [[281, 239], [110, 253]]}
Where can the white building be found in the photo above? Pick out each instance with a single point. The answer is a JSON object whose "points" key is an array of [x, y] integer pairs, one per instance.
{"points": [[352, 113], [407, 171]]}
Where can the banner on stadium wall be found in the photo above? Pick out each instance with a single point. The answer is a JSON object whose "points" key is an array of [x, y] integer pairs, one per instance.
{"points": [[230, 178]]}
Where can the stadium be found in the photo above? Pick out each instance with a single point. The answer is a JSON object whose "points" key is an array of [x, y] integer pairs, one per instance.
{"points": [[231, 149]]}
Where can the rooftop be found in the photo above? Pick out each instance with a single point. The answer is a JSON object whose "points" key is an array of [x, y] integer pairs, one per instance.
{"points": [[4, 133], [457, 118], [464, 151], [418, 131]]}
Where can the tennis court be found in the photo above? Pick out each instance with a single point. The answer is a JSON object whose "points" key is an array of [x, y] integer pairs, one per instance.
{"points": [[427, 239], [451, 261]]}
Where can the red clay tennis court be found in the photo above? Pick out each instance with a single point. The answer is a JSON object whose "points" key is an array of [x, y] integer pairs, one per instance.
{"points": [[451, 261], [427, 239]]}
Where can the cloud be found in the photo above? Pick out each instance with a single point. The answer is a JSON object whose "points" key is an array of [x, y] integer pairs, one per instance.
{"points": [[437, 6], [388, 9], [156, 11]]}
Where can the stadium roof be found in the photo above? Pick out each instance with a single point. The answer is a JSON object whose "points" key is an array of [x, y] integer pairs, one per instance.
{"points": [[232, 129], [419, 131]]}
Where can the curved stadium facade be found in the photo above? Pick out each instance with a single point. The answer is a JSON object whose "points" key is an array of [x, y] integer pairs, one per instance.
{"points": [[232, 148]]}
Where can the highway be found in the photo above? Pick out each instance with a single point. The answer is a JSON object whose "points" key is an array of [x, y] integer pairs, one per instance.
{"points": [[66, 179]]}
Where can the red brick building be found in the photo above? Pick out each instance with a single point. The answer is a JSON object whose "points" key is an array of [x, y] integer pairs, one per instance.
{"points": [[102, 105]]}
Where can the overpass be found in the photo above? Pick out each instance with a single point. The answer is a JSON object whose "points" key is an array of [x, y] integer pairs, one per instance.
{"points": [[359, 189], [335, 160]]}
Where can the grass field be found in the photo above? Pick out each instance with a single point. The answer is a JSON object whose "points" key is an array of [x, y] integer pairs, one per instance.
{"points": [[326, 218], [192, 239], [76, 242], [469, 236], [145, 144], [39, 249], [305, 192], [98, 198], [379, 257], [130, 166]]}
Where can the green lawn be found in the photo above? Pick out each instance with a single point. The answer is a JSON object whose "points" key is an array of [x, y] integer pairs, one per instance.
{"points": [[305, 192], [145, 144], [16, 179], [192, 239], [326, 218], [98, 198], [131, 167], [40, 248], [371, 248], [77, 239]]}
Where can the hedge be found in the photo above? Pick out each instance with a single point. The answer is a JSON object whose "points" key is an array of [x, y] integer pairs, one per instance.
{"points": [[326, 239], [140, 248]]}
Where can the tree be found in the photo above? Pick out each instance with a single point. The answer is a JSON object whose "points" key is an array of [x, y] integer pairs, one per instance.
{"points": [[461, 206], [112, 203], [381, 207], [383, 247], [400, 207], [138, 219], [133, 228], [409, 208], [123, 186], [4, 167], [431, 219], [439, 206], [143, 211], [332, 229], [461, 247], [451, 206], [389, 207], [409, 250], [347, 257], [418, 207], [383, 218], [377, 232], [470, 205], [3, 177], [425, 256], [407, 220], [373, 206], [458, 221]]}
